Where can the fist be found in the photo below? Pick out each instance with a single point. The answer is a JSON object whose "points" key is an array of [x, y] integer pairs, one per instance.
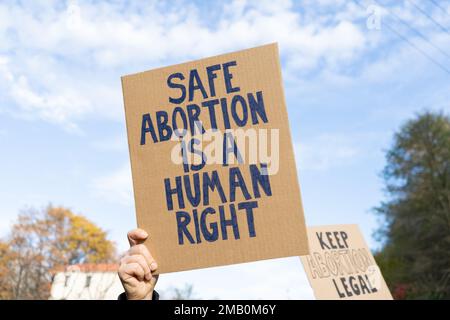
{"points": [[137, 267]]}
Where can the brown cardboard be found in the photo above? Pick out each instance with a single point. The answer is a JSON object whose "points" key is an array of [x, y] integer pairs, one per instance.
{"points": [[340, 266], [278, 222]]}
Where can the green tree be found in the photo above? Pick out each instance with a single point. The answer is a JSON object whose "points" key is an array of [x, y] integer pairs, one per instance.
{"points": [[415, 257], [40, 242]]}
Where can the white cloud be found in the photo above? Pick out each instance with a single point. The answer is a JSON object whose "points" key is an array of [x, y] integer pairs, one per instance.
{"points": [[116, 187], [325, 152], [65, 63], [55, 106], [116, 143]]}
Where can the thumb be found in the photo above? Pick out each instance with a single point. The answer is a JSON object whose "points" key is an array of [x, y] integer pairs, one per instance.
{"points": [[137, 236]]}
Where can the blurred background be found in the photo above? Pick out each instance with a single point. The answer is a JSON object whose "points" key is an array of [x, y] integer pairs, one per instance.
{"points": [[368, 95]]}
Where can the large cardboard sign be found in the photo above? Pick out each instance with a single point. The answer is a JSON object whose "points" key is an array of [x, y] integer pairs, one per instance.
{"points": [[341, 266], [213, 167]]}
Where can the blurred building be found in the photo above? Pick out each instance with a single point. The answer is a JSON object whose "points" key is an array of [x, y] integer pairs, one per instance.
{"points": [[86, 282]]}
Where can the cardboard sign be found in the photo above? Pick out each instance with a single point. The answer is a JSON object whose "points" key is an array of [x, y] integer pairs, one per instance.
{"points": [[213, 167], [341, 266]]}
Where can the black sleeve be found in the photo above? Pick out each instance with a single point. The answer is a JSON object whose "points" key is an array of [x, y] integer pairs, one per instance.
{"points": [[123, 296]]}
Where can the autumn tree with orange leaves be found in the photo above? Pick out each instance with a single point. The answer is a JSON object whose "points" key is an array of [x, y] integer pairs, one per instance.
{"points": [[42, 240]]}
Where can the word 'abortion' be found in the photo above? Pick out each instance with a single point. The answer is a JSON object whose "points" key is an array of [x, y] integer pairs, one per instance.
{"points": [[349, 269]]}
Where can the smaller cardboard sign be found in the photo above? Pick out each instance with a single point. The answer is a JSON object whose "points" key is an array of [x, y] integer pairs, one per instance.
{"points": [[340, 265]]}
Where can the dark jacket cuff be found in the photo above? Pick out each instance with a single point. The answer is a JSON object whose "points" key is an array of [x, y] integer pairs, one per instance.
{"points": [[123, 296]]}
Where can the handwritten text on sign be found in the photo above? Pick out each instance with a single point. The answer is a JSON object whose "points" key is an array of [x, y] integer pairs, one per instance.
{"points": [[340, 265], [214, 174], [237, 110]]}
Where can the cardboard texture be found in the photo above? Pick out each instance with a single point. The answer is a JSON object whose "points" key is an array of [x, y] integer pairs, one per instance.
{"points": [[340, 266], [266, 224]]}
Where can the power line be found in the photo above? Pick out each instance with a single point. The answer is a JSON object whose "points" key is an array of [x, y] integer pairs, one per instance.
{"points": [[428, 16], [418, 49], [437, 5], [417, 32], [444, 68]]}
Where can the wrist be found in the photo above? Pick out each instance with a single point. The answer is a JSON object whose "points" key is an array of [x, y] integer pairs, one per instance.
{"points": [[148, 296]]}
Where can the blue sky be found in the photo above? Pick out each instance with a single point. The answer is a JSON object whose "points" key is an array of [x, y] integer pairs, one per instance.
{"points": [[353, 72]]}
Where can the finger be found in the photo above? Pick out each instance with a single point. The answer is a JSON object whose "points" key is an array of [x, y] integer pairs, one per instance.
{"points": [[131, 270], [154, 280], [141, 261], [137, 236], [142, 250]]}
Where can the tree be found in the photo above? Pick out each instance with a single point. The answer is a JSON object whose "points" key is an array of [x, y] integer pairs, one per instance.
{"points": [[41, 241], [415, 257], [184, 293], [5, 261]]}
